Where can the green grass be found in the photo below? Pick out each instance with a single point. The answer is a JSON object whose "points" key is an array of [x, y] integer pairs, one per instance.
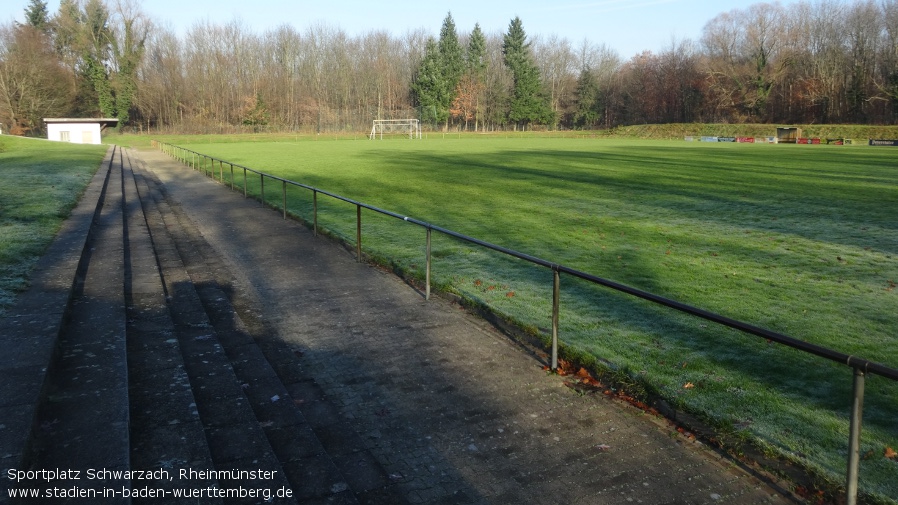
{"points": [[40, 182], [801, 240]]}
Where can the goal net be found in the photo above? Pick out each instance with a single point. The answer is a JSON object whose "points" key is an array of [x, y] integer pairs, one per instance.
{"points": [[410, 127]]}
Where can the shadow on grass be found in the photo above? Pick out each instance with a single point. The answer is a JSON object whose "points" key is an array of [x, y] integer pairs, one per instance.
{"points": [[727, 189]]}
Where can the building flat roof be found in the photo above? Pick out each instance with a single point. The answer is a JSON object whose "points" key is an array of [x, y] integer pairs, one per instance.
{"points": [[104, 121]]}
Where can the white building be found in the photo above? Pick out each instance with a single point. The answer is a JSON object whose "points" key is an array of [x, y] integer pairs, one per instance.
{"points": [[78, 130]]}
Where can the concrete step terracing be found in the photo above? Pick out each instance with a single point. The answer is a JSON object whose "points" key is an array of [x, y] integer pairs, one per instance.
{"points": [[30, 329], [145, 380]]}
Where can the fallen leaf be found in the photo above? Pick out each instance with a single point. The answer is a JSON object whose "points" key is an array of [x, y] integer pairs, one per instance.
{"points": [[891, 454], [603, 447], [509, 294], [685, 433], [688, 385]]}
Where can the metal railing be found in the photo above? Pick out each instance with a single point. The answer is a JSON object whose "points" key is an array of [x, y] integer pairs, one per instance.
{"points": [[861, 367]]}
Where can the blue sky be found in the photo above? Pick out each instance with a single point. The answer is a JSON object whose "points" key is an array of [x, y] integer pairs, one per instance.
{"points": [[627, 26]]}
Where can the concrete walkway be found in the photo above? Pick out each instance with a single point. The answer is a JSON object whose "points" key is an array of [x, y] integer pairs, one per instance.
{"points": [[449, 408]]}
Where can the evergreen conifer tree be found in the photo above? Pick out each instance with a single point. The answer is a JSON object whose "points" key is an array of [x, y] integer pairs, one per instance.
{"points": [[37, 16], [528, 102]]}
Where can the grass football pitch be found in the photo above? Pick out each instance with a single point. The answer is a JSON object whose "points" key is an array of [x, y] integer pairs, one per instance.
{"points": [[801, 240]]}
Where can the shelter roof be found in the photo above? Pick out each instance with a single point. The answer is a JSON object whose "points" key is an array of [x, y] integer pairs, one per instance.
{"points": [[104, 121]]}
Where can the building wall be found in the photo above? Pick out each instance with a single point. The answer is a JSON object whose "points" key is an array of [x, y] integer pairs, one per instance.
{"points": [[76, 133]]}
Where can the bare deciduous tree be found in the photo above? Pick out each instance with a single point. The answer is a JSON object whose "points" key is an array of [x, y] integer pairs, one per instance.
{"points": [[34, 83]]}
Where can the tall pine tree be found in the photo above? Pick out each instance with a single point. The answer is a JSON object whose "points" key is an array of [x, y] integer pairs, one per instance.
{"points": [[429, 86], [528, 101], [37, 16], [452, 61], [451, 55], [589, 100], [439, 74], [475, 59]]}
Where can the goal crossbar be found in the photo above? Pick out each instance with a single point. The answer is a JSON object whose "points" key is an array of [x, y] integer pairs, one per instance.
{"points": [[411, 127]]}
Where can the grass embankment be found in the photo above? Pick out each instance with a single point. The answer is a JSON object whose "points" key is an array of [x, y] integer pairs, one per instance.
{"points": [[672, 131], [798, 239], [41, 183]]}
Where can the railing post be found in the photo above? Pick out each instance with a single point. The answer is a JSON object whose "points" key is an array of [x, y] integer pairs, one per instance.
{"points": [[244, 182], [232, 176], [262, 188], [221, 171], [358, 233], [427, 267], [284, 183], [854, 438], [556, 294], [315, 212]]}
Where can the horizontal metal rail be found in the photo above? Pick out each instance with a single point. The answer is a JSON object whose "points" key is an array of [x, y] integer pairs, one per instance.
{"points": [[861, 367]]}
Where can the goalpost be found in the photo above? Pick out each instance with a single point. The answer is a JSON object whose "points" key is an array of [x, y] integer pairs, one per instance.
{"points": [[411, 127]]}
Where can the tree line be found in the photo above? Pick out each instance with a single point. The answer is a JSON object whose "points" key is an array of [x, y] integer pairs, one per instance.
{"points": [[821, 61]]}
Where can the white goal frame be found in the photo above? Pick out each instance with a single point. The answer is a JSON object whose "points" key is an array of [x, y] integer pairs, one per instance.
{"points": [[381, 126]]}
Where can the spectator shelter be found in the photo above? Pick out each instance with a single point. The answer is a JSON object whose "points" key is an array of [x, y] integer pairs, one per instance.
{"points": [[787, 135], [78, 130]]}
